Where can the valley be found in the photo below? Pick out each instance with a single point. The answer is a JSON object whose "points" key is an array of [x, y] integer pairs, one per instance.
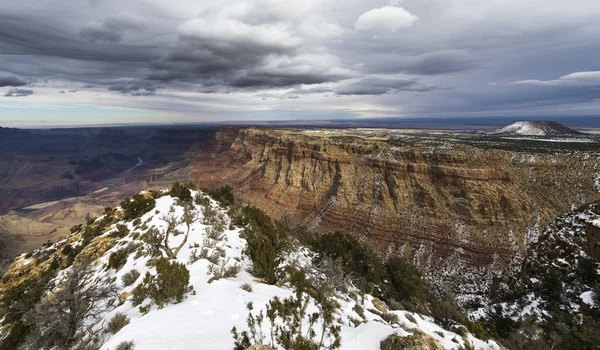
{"points": [[461, 206]]}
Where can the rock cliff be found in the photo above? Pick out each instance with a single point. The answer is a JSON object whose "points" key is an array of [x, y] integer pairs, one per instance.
{"points": [[463, 214]]}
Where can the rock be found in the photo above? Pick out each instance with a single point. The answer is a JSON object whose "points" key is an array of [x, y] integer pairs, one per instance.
{"points": [[379, 305], [459, 212], [416, 341]]}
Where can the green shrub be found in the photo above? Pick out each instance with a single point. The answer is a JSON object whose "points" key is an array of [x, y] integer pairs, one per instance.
{"points": [[121, 231], [130, 277], [359, 310], [357, 259], [223, 195], [170, 284], [137, 206], [403, 281], [266, 242], [67, 249], [181, 191], [115, 324], [117, 259], [476, 329]]}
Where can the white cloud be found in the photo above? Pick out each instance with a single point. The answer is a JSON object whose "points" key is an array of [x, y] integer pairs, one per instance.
{"points": [[573, 79], [228, 30], [388, 18]]}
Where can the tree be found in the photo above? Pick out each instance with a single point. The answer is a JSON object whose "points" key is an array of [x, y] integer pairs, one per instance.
{"points": [[159, 240], [67, 314], [265, 244]]}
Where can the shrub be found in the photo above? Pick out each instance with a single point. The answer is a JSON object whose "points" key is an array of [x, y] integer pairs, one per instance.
{"points": [[170, 284], [359, 310], [410, 318], [121, 231], [266, 242], [445, 313], [125, 345], [182, 191], [223, 195], [247, 287], [223, 272], [214, 233], [403, 281], [137, 206], [476, 329], [357, 259], [286, 318], [115, 324], [130, 277], [67, 249], [390, 317], [117, 259]]}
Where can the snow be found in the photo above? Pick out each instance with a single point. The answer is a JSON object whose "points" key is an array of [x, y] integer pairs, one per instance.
{"points": [[521, 128], [588, 298], [204, 319], [567, 140]]}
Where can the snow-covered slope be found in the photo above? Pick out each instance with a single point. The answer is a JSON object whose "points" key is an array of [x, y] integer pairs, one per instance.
{"points": [[560, 272], [204, 319], [535, 128]]}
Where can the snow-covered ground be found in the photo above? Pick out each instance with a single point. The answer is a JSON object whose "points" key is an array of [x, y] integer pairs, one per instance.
{"points": [[204, 319]]}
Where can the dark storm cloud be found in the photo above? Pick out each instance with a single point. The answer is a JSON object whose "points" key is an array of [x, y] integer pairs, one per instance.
{"points": [[101, 34], [435, 63], [445, 57], [11, 80], [36, 36], [138, 88], [378, 86], [18, 93]]}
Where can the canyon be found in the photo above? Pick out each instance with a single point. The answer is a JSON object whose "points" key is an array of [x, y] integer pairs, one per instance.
{"points": [[464, 212]]}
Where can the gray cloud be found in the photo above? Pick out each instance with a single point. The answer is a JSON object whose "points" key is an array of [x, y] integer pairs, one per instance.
{"points": [[137, 88], [379, 86], [18, 93], [11, 80], [445, 57]]}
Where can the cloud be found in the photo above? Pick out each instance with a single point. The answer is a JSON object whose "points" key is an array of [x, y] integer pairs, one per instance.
{"points": [[379, 86], [18, 93], [224, 34], [96, 32], [137, 88], [238, 51], [387, 18], [574, 79], [11, 80]]}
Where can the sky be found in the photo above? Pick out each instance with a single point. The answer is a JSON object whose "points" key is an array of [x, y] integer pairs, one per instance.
{"points": [[78, 62]]}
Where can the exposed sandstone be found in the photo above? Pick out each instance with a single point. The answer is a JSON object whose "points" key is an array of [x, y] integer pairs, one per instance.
{"points": [[461, 213]]}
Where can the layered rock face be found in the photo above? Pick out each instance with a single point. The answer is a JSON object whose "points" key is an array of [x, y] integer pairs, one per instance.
{"points": [[461, 213]]}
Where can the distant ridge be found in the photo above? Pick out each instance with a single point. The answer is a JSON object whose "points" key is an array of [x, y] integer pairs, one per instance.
{"points": [[10, 132], [536, 128]]}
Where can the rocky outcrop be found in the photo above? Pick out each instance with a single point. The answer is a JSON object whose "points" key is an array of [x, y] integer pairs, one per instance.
{"points": [[417, 341], [461, 213]]}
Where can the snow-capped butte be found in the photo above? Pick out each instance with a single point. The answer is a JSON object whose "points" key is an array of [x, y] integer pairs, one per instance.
{"points": [[536, 128]]}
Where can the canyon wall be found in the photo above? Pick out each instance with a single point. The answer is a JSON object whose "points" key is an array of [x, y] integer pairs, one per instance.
{"points": [[463, 214]]}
